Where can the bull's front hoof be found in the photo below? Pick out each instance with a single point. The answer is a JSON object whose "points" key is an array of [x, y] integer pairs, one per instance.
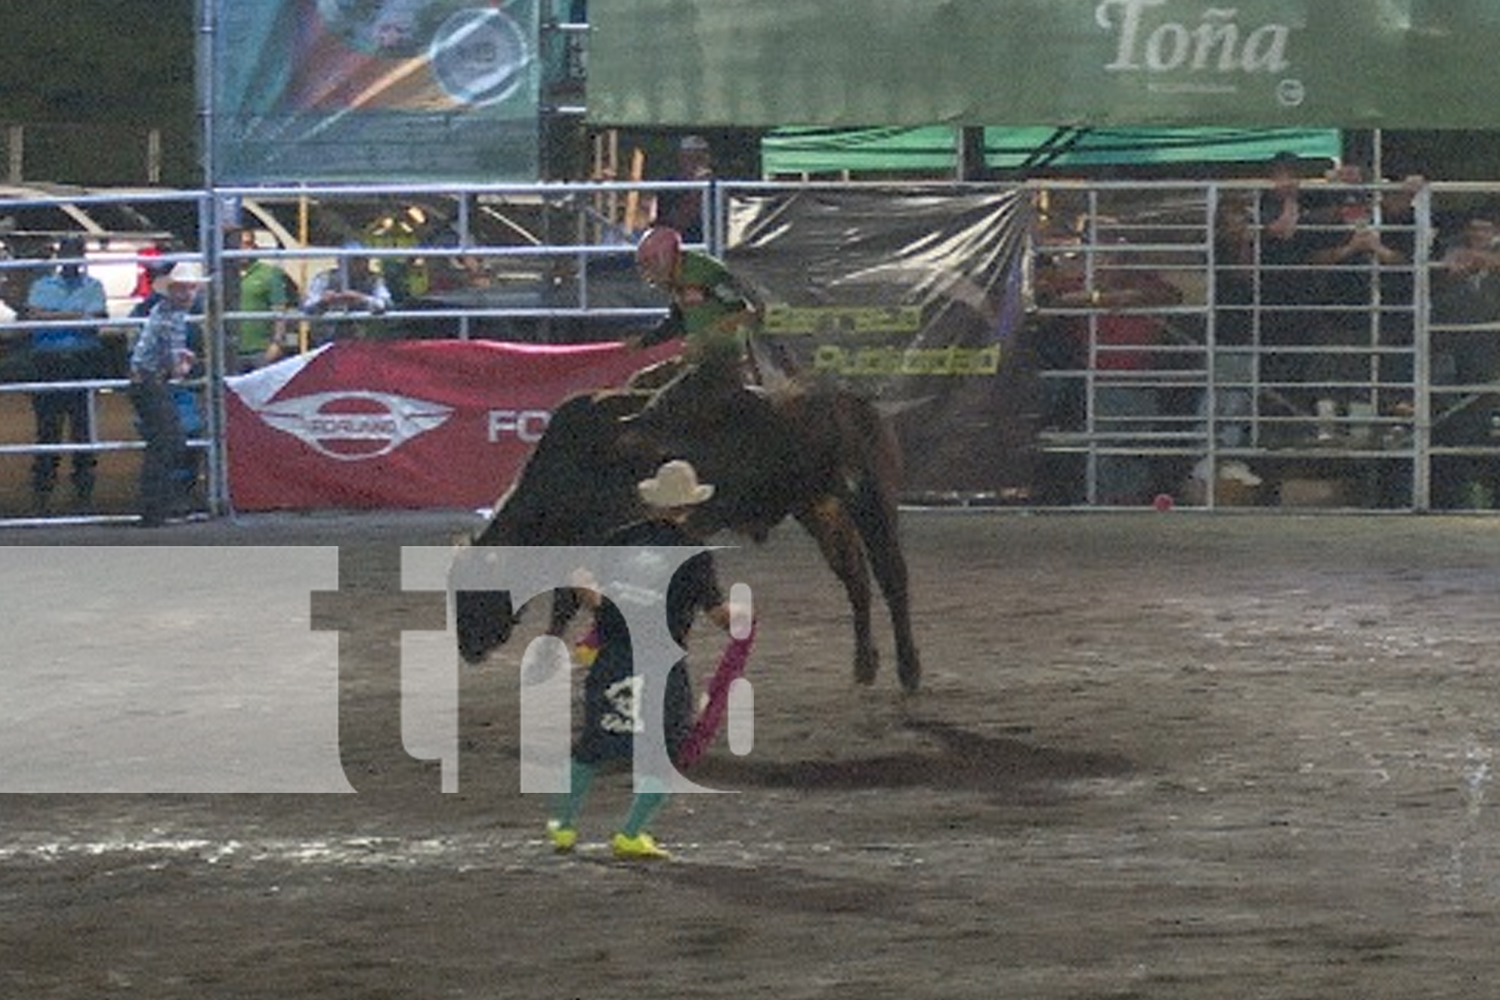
{"points": [[866, 666]]}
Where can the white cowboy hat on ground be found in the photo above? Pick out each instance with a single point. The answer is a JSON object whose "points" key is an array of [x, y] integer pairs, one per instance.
{"points": [[674, 485]]}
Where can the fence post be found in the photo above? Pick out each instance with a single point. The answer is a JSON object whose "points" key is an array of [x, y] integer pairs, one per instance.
{"points": [[15, 145], [153, 156]]}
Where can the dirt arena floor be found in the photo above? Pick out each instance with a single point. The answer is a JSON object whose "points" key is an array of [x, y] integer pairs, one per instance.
{"points": [[1173, 756]]}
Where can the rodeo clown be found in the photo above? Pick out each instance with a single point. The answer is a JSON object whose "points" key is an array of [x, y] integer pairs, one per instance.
{"points": [[613, 693]]}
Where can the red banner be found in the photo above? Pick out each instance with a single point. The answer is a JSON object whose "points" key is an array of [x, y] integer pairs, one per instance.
{"points": [[433, 423]]}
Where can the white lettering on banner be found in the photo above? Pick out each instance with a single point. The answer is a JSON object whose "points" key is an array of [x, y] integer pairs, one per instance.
{"points": [[525, 425], [1217, 43], [354, 425]]}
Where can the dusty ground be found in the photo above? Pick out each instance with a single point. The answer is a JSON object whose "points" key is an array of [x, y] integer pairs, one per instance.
{"points": [[1160, 756]]}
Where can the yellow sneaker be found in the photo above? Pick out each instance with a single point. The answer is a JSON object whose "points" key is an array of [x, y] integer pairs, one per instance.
{"points": [[563, 837], [641, 847]]}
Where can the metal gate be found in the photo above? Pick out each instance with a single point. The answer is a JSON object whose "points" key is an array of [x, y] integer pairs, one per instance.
{"points": [[1160, 350]]}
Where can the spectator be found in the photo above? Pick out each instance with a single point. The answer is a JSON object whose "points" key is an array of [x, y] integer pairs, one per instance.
{"points": [[65, 354], [1466, 293], [186, 397], [682, 209], [264, 288], [1353, 255], [353, 287], [160, 357], [1284, 239], [1288, 286], [1234, 295], [1327, 264], [1117, 342], [1397, 316], [612, 690], [1060, 342]]}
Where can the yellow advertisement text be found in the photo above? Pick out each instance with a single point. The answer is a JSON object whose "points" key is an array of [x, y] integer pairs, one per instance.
{"points": [[881, 361]]}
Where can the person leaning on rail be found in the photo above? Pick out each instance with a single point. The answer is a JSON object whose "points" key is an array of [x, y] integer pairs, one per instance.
{"points": [[354, 288], [65, 354]]}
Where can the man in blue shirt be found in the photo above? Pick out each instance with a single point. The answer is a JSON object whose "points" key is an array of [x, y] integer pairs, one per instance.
{"points": [[65, 354]]}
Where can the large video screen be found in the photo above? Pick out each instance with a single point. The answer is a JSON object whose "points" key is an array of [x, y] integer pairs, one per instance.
{"points": [[372, 90]]}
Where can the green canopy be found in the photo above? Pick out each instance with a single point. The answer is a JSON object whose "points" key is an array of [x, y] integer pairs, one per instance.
{"points": [[934, 149]]}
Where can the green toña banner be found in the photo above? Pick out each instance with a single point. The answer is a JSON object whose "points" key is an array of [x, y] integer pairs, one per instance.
{"points": [[372, 90], [1254, 63]]}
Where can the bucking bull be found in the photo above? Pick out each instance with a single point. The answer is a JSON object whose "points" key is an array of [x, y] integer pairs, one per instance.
{"points": [[824, 457]]}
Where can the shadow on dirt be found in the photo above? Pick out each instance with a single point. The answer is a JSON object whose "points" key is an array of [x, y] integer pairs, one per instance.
{"points": [[959, 760], [769, 887]]}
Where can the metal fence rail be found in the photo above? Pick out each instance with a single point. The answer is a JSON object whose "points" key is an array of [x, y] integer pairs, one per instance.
{"points": [[1236, 375]]}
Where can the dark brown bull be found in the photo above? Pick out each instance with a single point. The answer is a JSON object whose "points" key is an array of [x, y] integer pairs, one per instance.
{"points": [[825, 458]]}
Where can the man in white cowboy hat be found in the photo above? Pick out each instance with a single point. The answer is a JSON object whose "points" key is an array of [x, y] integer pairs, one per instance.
{"points": [[613, 693], [160, 357]]}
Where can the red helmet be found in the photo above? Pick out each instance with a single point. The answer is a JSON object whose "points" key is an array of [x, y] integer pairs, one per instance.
{"points": [[657, 252]]}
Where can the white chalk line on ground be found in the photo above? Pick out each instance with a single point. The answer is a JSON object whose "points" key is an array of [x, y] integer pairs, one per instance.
{"points": [[465, 852]]}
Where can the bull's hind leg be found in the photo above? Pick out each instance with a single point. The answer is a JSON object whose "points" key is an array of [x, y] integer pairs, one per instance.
{"points": [[875, 515], [890, 570], [829, 523], [871, 475]]}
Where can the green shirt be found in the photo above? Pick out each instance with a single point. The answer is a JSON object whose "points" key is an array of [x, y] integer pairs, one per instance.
{"points": [[263, 288], [715, 312]]}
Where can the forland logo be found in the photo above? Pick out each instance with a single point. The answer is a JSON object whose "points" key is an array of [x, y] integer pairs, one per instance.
{"points": [[350, 426], [1216, 53]]}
